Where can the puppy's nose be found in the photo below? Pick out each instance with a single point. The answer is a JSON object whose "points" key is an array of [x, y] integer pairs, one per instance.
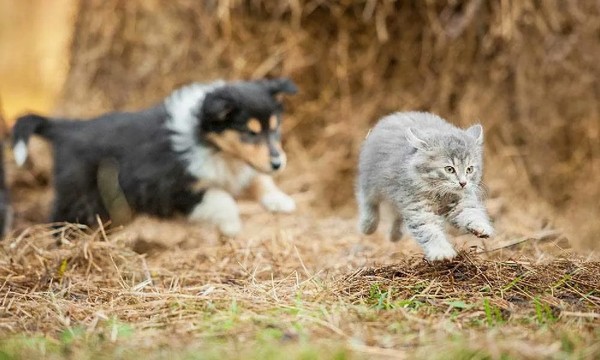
{"points": [[275, 164], [462, 183]]}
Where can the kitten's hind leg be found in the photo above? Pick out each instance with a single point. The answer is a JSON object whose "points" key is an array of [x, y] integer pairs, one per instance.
{"points": [[396, 230], [368, 209]]}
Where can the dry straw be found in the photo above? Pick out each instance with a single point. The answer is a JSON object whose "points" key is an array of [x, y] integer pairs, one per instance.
{"points": [[526, 69], [71, 278]]}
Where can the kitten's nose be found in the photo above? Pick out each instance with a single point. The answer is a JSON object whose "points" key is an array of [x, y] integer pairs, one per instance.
{"points": [[462, 183]]}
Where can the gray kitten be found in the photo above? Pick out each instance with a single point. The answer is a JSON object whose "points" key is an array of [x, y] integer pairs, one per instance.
{"points": [[430, 172]]}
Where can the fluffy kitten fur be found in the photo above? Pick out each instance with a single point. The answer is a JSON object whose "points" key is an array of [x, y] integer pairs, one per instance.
{"points": [[430, 172]]}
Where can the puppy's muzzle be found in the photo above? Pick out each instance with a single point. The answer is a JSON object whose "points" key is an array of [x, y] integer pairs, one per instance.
{"points": [[276, 163], [277, 157]]}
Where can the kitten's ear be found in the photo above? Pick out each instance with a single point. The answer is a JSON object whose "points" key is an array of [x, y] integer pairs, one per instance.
{"points": [[415, 140], [476, 132]]}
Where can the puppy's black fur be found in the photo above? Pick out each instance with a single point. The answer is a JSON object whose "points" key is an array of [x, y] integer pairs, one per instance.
{"points": [[155, 166]]}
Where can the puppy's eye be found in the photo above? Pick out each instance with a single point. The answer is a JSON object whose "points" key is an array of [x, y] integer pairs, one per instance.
{"points": [[254, 127], [469, 169], [449, 169]]}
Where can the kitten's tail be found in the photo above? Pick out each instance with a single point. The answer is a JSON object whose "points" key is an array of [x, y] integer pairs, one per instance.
{"points": [[24, 127]]}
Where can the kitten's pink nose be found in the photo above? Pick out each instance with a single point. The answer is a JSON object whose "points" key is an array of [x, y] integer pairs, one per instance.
{"points": [[462, 183]]}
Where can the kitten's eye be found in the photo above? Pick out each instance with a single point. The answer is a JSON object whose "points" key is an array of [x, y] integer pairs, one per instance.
{"points": [[449, 169], [469, 169]]}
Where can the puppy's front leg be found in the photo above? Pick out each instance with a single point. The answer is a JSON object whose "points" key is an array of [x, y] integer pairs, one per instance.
{"points": [[270, 196], [218, 207]]}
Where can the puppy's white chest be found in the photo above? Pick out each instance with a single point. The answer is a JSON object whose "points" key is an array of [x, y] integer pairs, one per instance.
{"points": [[221, 171]]}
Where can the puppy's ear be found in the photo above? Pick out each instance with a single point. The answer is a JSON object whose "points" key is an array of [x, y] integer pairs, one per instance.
{"points": [[218, 105], [280, 85], [415, 139]]}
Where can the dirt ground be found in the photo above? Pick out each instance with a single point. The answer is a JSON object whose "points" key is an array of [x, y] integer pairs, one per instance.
{"points": [[301, 286]]}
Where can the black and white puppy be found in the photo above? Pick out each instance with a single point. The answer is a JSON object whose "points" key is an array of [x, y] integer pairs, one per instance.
{"points": [[191, 154]]}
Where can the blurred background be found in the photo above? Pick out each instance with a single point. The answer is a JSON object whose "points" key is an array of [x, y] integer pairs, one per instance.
{"points": [[527, 70]]}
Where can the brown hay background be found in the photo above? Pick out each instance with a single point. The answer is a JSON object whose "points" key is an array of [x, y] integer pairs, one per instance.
{"points": [[527, 70]]}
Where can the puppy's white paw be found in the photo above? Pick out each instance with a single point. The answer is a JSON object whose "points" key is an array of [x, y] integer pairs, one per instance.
{"points": [[230, 228], [278, 202], [441, 251], [481, 229]]}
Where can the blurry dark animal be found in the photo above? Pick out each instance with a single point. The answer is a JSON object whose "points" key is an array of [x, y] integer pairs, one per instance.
{"points": [[190, 154], [5, 208]]}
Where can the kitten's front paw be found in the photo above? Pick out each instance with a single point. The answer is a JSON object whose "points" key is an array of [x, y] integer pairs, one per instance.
{"points": [[442, 251], [278, 202], [481, 230]]}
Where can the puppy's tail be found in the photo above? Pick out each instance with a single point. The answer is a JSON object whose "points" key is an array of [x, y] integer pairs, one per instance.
{"points": [[24, 127]]}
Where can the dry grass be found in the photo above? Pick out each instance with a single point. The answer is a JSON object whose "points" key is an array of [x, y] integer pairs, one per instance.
{"points": [[296, 286], [307, 286]]}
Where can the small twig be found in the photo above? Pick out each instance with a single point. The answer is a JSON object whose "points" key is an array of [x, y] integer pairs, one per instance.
{"points": [[539, 236], [581, 314]]}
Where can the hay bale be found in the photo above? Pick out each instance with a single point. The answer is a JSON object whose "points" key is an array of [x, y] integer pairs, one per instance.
{"points": [[526, 69]]}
